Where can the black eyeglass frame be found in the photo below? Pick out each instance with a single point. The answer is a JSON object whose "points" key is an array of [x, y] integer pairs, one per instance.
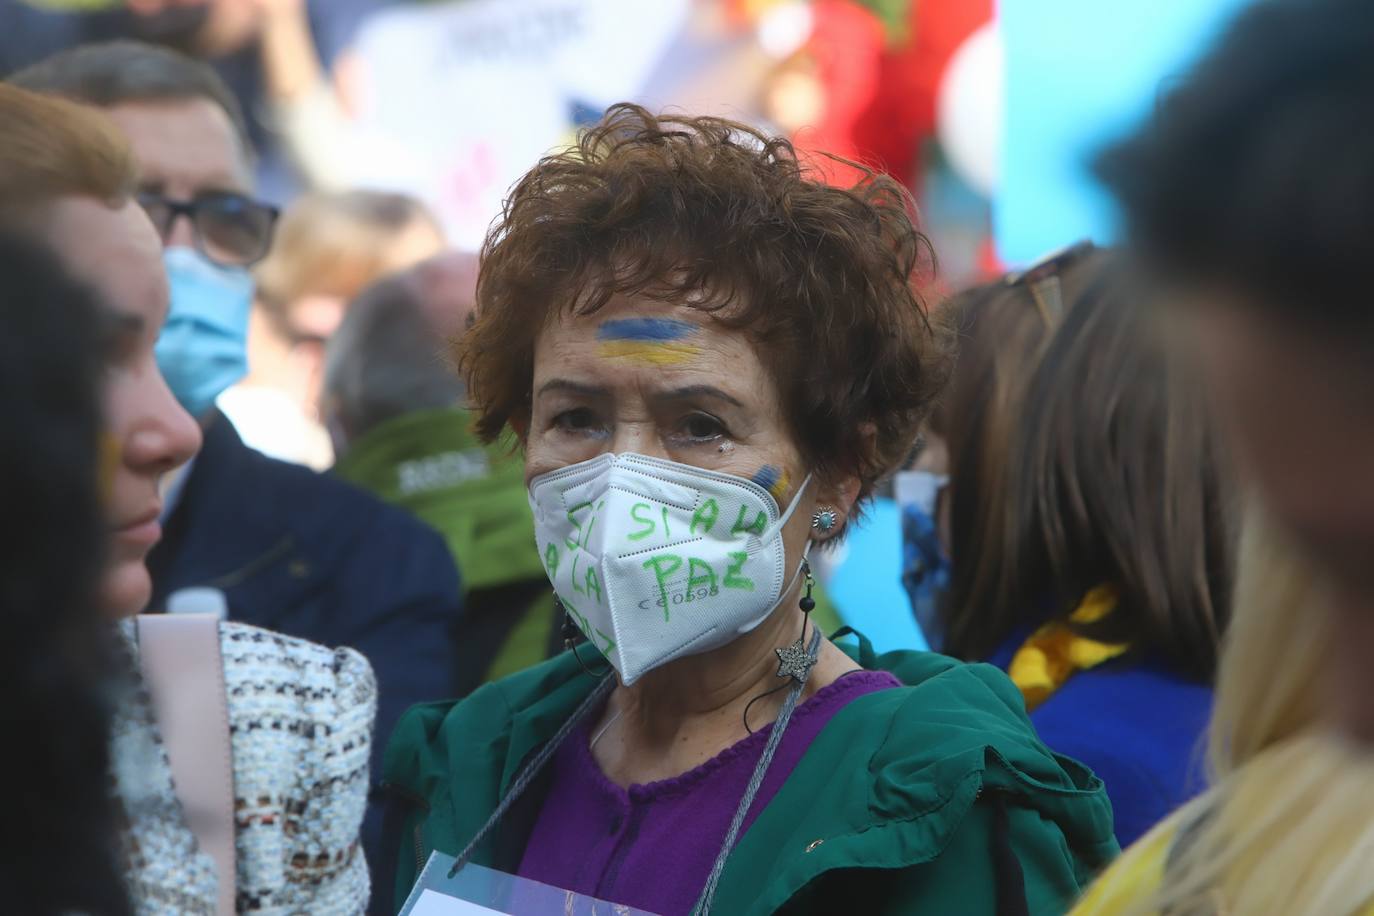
{"points": [[191, 209]]}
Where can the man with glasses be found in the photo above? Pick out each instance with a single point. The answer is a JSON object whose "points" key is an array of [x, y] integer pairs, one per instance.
{"points": [[289, 550]]}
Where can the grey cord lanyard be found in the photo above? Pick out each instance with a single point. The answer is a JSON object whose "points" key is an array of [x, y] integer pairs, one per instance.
{"points": [[708, 895], [531, 770], [592, 702]]}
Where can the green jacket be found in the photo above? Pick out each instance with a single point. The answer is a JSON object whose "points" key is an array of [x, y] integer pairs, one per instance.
{"points": [[907, 801]]}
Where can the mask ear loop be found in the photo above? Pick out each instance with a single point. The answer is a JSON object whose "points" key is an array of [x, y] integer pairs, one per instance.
{"points": [[570, 642], [791, 508]]}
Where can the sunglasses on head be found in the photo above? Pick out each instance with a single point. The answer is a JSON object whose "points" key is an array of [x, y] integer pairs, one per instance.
{"points": [[1042, 279], [230, 229]]}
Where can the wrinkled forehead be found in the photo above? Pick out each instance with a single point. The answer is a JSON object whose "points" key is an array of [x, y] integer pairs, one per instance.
{"points": [[677, 331], [184, 147], [641, 346]]}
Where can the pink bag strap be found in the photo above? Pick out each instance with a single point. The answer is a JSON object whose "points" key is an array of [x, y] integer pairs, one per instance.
{"points": [[184, 671]]}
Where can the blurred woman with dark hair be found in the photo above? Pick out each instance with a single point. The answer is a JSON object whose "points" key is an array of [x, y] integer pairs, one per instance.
{"points": [[1001, 331], [58, 836], [1089, 528], [279, 729]]}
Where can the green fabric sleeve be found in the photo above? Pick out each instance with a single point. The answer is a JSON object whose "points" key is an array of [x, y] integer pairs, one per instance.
{"points": [[962, 880]]}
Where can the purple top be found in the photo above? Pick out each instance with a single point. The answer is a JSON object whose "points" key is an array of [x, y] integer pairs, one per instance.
{"points": [[595, 838]]}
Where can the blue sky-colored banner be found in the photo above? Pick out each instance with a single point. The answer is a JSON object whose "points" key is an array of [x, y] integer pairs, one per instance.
{"points": [[1080, 72]]}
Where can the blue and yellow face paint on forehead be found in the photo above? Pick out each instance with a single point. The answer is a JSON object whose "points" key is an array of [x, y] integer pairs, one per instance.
{"points": [[774, 480], [648, 341]]}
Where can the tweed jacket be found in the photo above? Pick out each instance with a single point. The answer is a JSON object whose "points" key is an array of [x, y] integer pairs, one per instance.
{"points": [[300, 721]]}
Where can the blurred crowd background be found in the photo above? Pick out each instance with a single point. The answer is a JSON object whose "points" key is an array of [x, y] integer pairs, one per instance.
{"points": [[1053, 489], [346, 94], [390, 130]]}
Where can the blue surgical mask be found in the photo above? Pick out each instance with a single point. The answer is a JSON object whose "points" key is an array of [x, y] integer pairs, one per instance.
{"points": [[203, 348], [925, 565]]}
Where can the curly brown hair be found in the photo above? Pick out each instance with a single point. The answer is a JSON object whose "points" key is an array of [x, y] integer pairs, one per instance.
{"points": [[714, 214]]}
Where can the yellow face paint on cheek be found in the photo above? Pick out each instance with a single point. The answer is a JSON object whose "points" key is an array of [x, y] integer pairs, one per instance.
{"points": [[774, 480]]}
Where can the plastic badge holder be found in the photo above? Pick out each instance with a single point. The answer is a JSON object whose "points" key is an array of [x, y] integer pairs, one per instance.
{"points": [[479, 891]]}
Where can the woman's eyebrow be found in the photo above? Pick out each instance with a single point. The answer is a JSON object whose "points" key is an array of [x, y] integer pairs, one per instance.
{"points": [[562, 384], [118, 330], [696, 391]]}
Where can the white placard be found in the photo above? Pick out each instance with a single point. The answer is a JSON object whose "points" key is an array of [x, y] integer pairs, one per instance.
{"points": [[433, 903], [471, 94], [437, 893]]}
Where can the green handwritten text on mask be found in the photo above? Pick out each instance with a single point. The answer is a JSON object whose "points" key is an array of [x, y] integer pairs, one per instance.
{"points": [[757, 526], [607, 644], [705, 515], [639, 513], [703, 580], [663, 565]]}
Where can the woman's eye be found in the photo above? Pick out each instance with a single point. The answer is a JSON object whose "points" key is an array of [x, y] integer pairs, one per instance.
{"points": [[702, 426], [579, 419]]}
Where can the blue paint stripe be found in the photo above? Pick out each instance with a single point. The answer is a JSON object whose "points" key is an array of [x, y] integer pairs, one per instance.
{"points": [[650, 329], [767, 476]]}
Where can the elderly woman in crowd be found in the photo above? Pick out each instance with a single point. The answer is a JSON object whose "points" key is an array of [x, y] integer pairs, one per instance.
{"points": [[710, 359]]}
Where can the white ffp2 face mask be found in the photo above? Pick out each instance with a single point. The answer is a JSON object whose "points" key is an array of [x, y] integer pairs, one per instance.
{"points": [[656, 560]]}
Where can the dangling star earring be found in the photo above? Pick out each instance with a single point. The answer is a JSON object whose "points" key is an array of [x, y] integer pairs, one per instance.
{"points": [[795, 661]]}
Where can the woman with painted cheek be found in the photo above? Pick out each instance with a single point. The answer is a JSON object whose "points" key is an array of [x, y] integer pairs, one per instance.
{"points": [[711, 359], [54, 474], [289, 796]]}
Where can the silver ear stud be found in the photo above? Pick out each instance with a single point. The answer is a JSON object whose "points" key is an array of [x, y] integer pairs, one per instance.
{"points": [[824, 519]]}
